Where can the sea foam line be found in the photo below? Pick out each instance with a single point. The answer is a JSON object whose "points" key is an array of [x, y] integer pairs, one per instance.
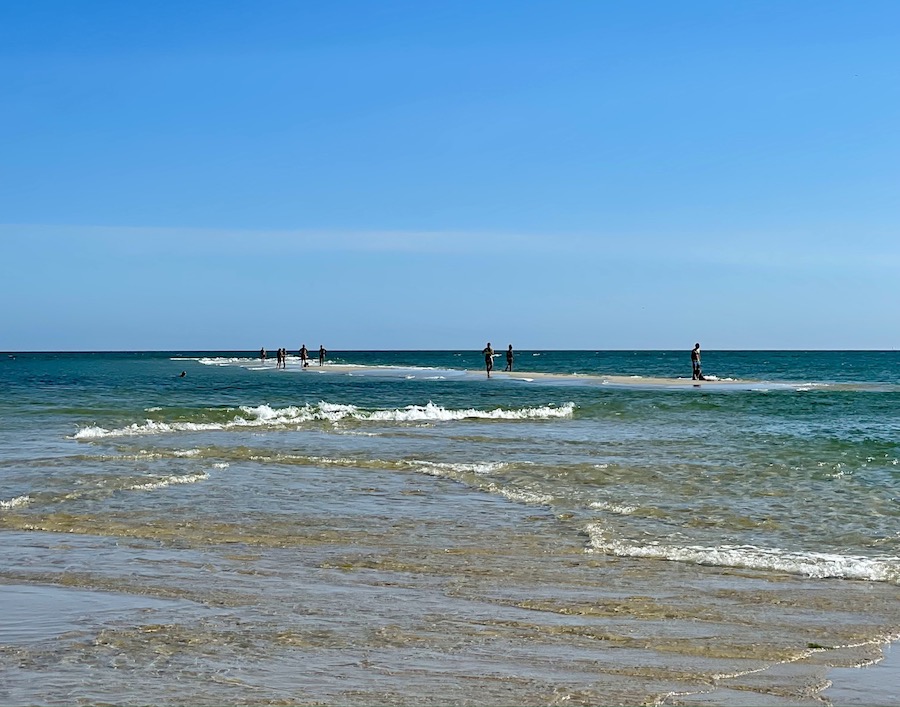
{"points": [[474, 473], [16, 502], [620, 508], [169, 481], [818, 565], [266, 416]]}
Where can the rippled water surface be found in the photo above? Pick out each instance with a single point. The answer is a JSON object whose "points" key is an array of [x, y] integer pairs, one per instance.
{"points": [[395, 528]]}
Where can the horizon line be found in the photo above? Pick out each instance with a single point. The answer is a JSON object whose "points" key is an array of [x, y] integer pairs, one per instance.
{"points": [[416, 350]]}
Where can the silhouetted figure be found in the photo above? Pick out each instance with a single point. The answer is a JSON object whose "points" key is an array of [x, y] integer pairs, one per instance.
{"points": [[322, 353], [304, 356], [262, 355], [509, 359], [488, 359], [697, 373]]}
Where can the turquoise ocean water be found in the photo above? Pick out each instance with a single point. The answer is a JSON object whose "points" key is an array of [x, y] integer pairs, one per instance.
{"points": [[395, 528]]}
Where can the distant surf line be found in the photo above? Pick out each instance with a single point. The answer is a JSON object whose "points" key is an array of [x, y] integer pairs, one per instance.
{"points": [[710, 382]]}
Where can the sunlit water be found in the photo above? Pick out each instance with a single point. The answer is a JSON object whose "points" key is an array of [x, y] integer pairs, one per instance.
{"points": [[394, 528]]}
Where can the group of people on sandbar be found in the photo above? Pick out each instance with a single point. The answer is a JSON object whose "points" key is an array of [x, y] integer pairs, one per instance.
{"points": [[489, 358], [282, 355], [488, 352]]}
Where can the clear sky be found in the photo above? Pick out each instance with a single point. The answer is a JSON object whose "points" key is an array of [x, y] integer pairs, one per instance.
{"points": [[399, 175]]}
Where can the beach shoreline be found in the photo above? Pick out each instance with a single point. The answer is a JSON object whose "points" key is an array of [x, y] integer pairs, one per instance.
{"points": [[81, 615], [599, 379], [394, 529]]}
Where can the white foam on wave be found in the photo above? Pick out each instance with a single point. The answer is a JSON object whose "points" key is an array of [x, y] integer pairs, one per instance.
{"points": [[16, 502], [221, 361], [818, 565], [169, 481], [618, 508], [432, 412], [384, 366], [257, 364], [464, 472], [149, 427], [266, 416], [530, 498], [447, 468]]}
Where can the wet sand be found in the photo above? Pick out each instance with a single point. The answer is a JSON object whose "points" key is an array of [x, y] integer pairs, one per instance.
{"points": [[318, 610], [875, 684], [610, 380]]}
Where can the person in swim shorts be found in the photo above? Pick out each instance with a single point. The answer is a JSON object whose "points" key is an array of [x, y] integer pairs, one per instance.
{"points": [[488, 359], [697, 373]]}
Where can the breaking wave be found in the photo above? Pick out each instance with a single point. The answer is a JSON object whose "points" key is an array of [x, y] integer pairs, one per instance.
{"points": [[169, 481], [817, 565], [267, 417]]}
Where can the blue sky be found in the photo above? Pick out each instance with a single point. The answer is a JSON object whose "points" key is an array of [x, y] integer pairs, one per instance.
{"points": [[227, 175]]}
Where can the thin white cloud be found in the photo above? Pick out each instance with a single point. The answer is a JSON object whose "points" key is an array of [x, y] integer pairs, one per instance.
{"points": [[746, 250], [144, 240]]}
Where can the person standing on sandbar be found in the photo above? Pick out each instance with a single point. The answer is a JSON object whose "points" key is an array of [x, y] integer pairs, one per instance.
{"points": [[697, 373], [322, 353], [509, 359], [488, 359]]}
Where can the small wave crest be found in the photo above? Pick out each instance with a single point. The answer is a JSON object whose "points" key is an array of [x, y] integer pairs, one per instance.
{"points": [[266, 416], [531, 498], [817, 565], [431, 412], [220, 361], [452, 469], [474, 473], [16, 502], [169, 481], [618, 508]]}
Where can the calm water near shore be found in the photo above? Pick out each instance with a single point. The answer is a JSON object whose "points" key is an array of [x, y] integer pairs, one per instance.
{"points": [[394, 528]]}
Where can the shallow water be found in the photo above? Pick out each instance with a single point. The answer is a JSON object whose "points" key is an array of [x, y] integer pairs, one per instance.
{"points": [[394, 528]]}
